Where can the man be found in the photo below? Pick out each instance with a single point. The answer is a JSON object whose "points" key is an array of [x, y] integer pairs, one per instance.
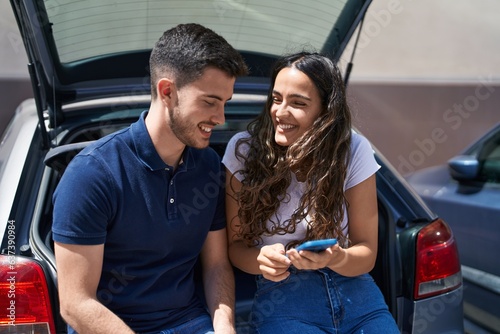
{"points": [[135, 210]]}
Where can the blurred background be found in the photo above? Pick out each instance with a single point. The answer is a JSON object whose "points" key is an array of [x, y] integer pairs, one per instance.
{"points": [[426, 78], [425, 81]]}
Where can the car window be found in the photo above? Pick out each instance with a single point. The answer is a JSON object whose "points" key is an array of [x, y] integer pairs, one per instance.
{"points": [[94, 27], [489, 159]]}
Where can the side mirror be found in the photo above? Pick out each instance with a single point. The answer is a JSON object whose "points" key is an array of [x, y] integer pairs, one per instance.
{"points": [[463, 167]]}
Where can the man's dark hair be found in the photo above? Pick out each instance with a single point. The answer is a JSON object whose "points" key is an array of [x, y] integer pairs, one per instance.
{"points": [[184, 51]]}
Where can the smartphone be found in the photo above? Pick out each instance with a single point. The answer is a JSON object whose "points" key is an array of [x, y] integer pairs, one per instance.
{"points": [[316, 245]]}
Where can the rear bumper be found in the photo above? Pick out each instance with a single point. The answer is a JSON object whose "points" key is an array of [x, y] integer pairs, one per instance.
{"points": [[439, 314]]}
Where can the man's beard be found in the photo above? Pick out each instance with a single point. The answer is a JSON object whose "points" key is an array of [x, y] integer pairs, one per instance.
{"points": [[183, 129]]}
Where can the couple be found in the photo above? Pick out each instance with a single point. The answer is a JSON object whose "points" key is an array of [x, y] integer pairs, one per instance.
{"points": [[125, 254]]}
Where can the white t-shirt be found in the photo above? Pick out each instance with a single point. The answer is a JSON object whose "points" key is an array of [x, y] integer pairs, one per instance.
{"points": [[362, 165]]}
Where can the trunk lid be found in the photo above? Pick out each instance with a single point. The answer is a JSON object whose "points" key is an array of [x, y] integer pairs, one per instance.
{"points": [[81, 50]]}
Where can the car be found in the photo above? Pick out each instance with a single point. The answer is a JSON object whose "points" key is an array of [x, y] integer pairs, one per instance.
{"points": [[88, 63], [466, 193]]}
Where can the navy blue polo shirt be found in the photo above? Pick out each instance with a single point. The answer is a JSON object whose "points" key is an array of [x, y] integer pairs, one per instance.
{"points": [[152, 220]]}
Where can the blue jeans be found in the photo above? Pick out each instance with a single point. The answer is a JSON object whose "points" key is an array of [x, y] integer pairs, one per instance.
{"points": [[199, 325], [320, 301]]}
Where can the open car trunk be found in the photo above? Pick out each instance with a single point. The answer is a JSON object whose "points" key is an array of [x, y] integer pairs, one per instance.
{"points": [[387, 272], [86, 87]]}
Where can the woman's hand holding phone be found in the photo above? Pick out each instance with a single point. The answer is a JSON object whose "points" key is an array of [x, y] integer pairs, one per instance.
{"points": [[316, 245], [273, 262], [316, 254]]}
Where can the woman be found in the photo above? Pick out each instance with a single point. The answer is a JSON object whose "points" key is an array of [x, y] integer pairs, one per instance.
{"points": [[299, 174]]}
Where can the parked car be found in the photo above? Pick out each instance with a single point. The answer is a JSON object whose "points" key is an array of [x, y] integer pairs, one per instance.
{"points": [[88, 63], [466, 193]]}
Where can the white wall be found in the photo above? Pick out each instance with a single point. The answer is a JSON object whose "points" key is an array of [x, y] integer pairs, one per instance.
{"points": [[429, 40], [12, 54], [426, 78]]}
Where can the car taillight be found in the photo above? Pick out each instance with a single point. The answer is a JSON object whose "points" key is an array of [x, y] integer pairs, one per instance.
{"points": [[24, 297], [437, 264]]}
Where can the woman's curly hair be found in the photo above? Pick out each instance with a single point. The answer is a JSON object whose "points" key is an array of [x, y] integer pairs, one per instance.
{"points": [[320, 157]]}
